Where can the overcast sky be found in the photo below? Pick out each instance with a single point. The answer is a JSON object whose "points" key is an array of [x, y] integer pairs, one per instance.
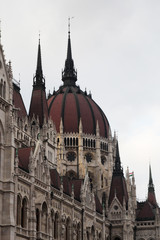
{"points": [[116, 50]]}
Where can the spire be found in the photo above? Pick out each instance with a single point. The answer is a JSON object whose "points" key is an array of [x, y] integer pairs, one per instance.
{"points": [[39, 79], [69, 74], [150, 185], [117, 167], [151, 192]]}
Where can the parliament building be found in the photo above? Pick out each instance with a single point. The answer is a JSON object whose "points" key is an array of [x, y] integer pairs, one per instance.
{"points": [[60, 168]]}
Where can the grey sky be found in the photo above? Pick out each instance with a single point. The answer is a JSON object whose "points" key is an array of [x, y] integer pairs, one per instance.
{"points": [[116, 50]]}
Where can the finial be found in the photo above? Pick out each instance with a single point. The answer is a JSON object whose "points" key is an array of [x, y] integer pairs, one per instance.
{"points": [[39, 36], [69, 25], [69, 19], [19, 79]]}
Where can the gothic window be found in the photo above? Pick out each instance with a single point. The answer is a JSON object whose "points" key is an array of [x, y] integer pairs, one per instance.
{"points": [[102, 181], [56, 226], [37, 220], [24, 213], [44, 218], [103, 160], [100, 236], [71, 156], [88, 235], [117, 238], [18, 210], [70, 141], [4, 90], [78, 231], [52, 222], [68, 230], [88, 157], [0, 64], [74, 141]]}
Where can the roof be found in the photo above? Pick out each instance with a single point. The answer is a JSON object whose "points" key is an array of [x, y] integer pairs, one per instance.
{"points": [[118, 188], [77, 188], [71, 104], [18, 102], [118, 183], [23, 156], [145, 211], [38, 106], [55, 179]]}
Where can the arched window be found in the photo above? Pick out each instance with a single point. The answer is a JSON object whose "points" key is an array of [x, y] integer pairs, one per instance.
{"points": [[24, 213], [52, 222], [92, 232], [4, 90], [37, 220], [74, 141], [78, 231], [68, 229], [56, 226], [18, 210], [44, 218], [117, 238], [88, 235]]}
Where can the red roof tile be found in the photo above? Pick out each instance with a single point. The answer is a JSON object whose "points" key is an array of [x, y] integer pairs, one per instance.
{"points": [[38, 106], [71, 104], [18, 102], [23, 155], [118, 187], [55, 179], [145, 211]]}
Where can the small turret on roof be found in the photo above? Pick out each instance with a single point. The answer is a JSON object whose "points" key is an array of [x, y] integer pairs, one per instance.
{"points": [[118, 183], [38, 105]]}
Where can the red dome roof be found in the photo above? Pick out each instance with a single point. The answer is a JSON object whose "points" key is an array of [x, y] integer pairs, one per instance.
{"points": [[71, 104]]}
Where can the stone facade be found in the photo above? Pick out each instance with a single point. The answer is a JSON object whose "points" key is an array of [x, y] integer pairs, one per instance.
{"points": [[63, 185]]}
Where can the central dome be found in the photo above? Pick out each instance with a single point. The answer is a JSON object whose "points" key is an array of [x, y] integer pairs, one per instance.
{"points": [[71, 104]]}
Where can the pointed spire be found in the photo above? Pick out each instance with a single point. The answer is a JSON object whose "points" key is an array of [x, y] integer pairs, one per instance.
{"points": [[151, 192], [150, 185], [117, 167], [39, 79], [69, 75]]}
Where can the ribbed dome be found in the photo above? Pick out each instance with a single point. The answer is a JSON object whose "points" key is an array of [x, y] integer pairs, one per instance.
{"points": [[71, 104]]}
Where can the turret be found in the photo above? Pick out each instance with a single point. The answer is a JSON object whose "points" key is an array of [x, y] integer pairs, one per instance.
{"points": [[118, 183], [38, 105]]}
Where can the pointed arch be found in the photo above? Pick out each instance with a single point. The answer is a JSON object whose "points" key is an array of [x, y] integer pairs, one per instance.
{"points": [[19, 205], [68, 227], [24, 213], [37, 220], [44, 218], [56, 225]]}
